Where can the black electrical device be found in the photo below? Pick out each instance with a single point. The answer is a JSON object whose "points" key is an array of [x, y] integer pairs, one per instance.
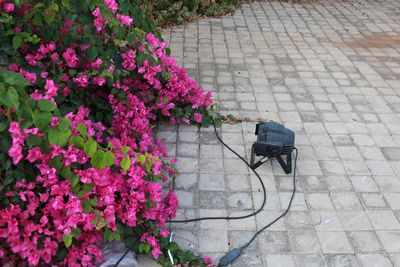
{"points": [[273, 141]]}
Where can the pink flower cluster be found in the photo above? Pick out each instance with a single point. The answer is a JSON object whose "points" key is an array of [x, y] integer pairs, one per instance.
{"points": [[147, 85], [99, 21], [7, 7], [125, 20], [60, 211]]}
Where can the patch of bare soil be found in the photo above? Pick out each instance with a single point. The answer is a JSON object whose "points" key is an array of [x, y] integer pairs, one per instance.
{"points": [[373, 41]]}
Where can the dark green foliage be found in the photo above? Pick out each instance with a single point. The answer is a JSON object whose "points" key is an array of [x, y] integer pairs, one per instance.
{"points": [[169, 12]]}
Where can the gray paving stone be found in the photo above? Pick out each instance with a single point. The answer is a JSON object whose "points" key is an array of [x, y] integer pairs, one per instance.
{"points": [[374, 260], [305, 241], [395, 258], [310, 260], [279, 260], [364, 241], [211, 181], [326, 220], [187, 150], [212, 199], [338, 183], [342, 260], [373, 201], [383, 220], [238, 238], [334, 242], [274, 241], [391, 153], [390, 240], [248, 259], [211, 151], [364, 183], [240, 200], [319, 201], [298, 220], [355, 220], [213, 241], [211, 166]]}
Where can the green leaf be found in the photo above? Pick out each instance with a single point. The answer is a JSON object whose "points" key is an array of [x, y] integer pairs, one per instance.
{"points": [[67, 240], [81, 128], [88, 187], [49, 17], [3, 126], [140, 58], [74, 180], [86, 206], [90, 147], [110, 235], [54, 6], [25, 113], [46, 105], [65, 3], [33, 140], [97, 160], [94, 202], [58, 137], [141, 158], [63, 124], [125, 149], [41, 119], [67, 173], [17, 42], [144, 248], [10, 98], [108, 159], [77, 141], [13, 78], [75, 232], [125, 163]]}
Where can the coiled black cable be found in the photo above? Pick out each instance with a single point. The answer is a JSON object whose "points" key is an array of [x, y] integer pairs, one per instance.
{"points": [[231, 217], [235, 253]]}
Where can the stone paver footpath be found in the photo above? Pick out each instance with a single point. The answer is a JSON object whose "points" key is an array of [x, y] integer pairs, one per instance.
{"points": [[328, 70]]}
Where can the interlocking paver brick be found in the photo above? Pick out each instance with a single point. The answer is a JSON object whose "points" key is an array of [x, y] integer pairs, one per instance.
{"points": [[342, 260], [364, 241]]}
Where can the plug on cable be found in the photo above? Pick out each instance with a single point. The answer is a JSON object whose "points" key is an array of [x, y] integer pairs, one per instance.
{"points": [[230, 257]]}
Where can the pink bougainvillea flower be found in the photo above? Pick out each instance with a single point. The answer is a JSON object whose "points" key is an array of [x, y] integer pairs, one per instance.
{"points": [[95, 65], [70, 57], [81, 81], [51, 89], [8, 7], [129, 62], [99, 81], [18, 140], [111, 4], [125, 20], [29, 76], [198, 117]]}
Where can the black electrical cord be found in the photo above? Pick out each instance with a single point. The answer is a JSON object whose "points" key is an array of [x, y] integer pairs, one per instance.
{"points": [[235, 253], [233, 217], [120, 259]]}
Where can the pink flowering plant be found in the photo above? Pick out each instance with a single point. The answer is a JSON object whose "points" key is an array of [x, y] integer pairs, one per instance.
{"points": [[82, 85]]}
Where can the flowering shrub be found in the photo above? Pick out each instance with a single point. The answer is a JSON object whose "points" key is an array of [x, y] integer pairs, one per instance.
{"points": [[167, 12], [82, 84]]}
